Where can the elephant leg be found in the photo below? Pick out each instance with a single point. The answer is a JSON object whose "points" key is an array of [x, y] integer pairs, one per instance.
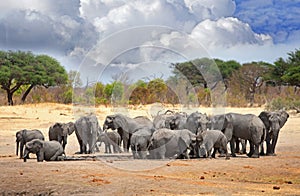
{"points": [[106, 148], [109, 148], [54, 157], [262, 153], [256, 151], [84, 148], [64, 142], [243, 143], [237, 145], [40, 156], [232, 148], [251, 149], [214, 153]]}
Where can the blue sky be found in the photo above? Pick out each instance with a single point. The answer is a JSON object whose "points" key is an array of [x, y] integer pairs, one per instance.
{"points": [[100, 38]]}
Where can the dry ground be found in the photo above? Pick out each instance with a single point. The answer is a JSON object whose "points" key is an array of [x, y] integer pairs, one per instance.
{"points": [[278, 175]]}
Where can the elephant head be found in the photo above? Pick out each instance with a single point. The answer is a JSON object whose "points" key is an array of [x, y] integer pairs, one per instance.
{"points": [[68, 128], [197, 122], [20, 138], [109, 123], [34, 146]]}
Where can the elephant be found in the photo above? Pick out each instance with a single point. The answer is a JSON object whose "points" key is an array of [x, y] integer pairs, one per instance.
{"points": [[139, 142], [44, 150], [194, 122], [110, 138], [245, 126], [273, 122], [60, 132], [178, 121], [126, 126], [216, 123], [209, 139], [86, 130], [166, 143], [24, 136], [163, 120]]}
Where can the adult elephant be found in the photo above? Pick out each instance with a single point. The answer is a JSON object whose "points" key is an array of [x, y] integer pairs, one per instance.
{"points": [[245, 126], [126, 126], [166, 143], [163, 120], [194, 122], [86, 130], [44, 150], [139, 142], [273, 122], [24, 136], [60, 132], [217, 123]]}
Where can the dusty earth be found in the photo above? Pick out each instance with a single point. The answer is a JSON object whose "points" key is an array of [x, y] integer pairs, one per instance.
{"points": [[118, 175]]}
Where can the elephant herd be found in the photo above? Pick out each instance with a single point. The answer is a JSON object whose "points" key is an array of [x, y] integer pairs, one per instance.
{"points": [[169, 135]]}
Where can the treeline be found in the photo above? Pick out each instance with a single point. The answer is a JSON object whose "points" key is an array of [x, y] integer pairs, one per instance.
{"points": [[250, 84]]}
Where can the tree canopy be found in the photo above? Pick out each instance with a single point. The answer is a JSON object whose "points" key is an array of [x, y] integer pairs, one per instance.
{"points": [[18, 68]]}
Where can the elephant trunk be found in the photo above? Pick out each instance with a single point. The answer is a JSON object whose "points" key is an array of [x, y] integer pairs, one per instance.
{"points": [[17, 152], [26, 153]]}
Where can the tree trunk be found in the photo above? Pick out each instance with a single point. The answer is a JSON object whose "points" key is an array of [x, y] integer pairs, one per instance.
{"points": [[26, 93], [9, 97]]}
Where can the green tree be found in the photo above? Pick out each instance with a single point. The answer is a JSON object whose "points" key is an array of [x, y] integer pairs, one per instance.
{"points": [[157, 90], [288, 71], [139, 92], [24, 68], [227, 67], [114, 91]]}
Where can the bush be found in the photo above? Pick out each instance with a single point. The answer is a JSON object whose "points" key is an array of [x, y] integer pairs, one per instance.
{"points": [[280, 103]]}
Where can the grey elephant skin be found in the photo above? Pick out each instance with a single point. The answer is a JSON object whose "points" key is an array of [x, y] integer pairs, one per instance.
{"points": [[194, 122], [163, 120], [211, 139], [44, 150], [245, 126], [110, 138], [126, 126], [273, 122], [24, 136], [139, 142], [60, 131], [217, 122], [86, 130], [166, 143]]}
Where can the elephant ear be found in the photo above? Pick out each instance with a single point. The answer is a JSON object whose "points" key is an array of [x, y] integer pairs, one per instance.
{"points": [[71, 127], [39, 144], [228, 127]]}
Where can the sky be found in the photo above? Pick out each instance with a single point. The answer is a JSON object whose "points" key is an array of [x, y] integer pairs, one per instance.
{"points": [[141, 38]]}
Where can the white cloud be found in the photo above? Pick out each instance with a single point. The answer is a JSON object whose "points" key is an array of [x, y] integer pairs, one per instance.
{"points": [[227, 32]]}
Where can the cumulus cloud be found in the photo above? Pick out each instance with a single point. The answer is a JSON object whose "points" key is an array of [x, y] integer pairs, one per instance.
{"points": [[227, 32], [133, 32]]}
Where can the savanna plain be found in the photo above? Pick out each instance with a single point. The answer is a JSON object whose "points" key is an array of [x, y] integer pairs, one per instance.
{"points": [[101, 174]]}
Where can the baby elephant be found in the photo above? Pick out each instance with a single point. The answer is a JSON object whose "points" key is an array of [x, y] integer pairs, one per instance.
{"points": [[44, 150], [110, 138], [207, 140]]}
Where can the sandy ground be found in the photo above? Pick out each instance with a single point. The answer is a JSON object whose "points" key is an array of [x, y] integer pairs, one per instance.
{"points": [[279, 175]]}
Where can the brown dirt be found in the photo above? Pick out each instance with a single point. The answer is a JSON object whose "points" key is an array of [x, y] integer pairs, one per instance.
{"points": [[279, 175]]}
